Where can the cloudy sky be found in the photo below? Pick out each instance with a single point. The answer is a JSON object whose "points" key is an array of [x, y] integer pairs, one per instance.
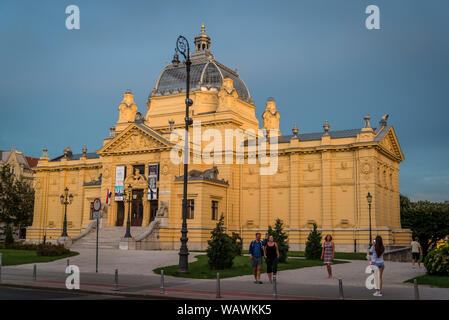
{"points": [[62, 88]]}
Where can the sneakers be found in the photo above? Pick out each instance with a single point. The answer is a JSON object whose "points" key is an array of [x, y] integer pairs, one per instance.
{"points": [[377, 294], [258, 282]]}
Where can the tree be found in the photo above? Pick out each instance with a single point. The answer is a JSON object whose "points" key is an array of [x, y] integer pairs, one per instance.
{"points": [[16, 199], [9, 239], [429, 221], [221, 251], [280, 237], [314, 247]]}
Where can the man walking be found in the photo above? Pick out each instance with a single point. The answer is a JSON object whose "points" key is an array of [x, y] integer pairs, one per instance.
{"points": [[416, 252], [256, 254]]}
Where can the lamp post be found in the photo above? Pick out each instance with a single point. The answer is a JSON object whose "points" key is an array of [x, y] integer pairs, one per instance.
{"points": [[128, 196], [182, 47], [369, 198], [65, 199]]}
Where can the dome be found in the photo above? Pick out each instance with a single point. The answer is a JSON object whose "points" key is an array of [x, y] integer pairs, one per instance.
{"points": [[205, 74]]}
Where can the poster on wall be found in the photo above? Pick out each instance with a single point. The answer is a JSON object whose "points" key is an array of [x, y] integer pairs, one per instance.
{"points": [[119, 178], [153, 175]]}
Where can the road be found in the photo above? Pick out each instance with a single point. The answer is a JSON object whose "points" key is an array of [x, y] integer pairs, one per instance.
{"points": [[14, 293]]}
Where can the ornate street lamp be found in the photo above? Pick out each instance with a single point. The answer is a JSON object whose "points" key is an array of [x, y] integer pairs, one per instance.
{"points": [[369, 198], [182, 47], [128, 196], [65, 199]]}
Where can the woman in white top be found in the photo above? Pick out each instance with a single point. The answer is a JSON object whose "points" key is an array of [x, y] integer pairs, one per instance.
{"points": [[377, 259]]}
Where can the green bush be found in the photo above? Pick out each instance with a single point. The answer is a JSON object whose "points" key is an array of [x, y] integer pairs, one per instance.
{"points": [[280, 237], [437, 261], [9, 239], [51, 250], [20, 246], [238, 243], [313, 245], [221, 250]]}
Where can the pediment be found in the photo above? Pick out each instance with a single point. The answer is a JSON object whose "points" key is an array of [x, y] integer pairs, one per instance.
{"points": [[135, 139], [390, 143]]}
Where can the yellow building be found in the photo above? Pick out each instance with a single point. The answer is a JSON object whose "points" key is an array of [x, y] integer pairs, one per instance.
{"points": [[320, 177]]}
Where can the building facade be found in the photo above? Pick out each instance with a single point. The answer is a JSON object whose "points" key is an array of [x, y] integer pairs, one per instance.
{"points": [[320, 177], [21, 167]]}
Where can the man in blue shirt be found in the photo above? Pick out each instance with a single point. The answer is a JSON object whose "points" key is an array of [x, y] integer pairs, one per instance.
{"points": [[256, 254]]}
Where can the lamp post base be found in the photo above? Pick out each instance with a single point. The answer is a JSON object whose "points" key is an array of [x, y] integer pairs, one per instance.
{"points": [[65, 241], [183, 263]]}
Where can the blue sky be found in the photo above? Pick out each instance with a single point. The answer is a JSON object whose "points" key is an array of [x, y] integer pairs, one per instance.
{"points": [[61, 87]]}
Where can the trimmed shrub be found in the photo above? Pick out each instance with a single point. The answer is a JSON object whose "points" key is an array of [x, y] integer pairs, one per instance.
{"points": [[238, 243], [51, 250], [314, 247], [20, 246], [9, 239], [280, 237], [437, 261], [221, 251]]}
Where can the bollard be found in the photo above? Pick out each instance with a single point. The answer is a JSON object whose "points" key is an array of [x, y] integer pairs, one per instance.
{"points": [[116, 280], [340, 289], [218, 286], [68, 262], [34, 273], [415, 285], [162, 288], [275, 289]]}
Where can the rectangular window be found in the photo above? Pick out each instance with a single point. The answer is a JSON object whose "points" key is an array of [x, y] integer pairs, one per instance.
{"points": [[190, 208], [214, 210]]}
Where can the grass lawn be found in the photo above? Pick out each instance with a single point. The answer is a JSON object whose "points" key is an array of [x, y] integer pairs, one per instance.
{"points": [[12, 257], [200, 269], [434, 281], [338, 255]]}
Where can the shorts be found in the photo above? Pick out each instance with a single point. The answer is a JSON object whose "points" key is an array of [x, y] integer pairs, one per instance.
{"points": [[379, 265], [272, 265], [256, 261], [415, 255]]}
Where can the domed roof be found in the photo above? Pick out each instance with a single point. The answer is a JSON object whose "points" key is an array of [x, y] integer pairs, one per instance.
{"points": [[205, 74]]}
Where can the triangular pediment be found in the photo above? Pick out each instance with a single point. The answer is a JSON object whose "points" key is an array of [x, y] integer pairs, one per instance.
{"points": [[136, 138], [389, 142]]}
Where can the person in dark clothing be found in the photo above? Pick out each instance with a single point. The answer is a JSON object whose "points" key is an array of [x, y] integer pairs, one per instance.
{"points": [[271, 254]]}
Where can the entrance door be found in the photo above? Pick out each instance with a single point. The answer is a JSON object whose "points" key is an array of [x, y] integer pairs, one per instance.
{"points": [[120, 214], [137, 208], [153, 209]]}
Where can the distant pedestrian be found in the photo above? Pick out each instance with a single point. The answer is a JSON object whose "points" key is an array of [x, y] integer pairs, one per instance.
{"points": [[377, 251], [256, 254], [271, 254], [446, 239], [328, 253], [416, 252]]}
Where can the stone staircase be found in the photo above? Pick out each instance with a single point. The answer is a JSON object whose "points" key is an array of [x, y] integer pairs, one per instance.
{"points": [[108, 237]]}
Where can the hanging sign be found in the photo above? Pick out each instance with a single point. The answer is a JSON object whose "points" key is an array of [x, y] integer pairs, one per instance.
{"points": [[153, 175], [119, 179]]}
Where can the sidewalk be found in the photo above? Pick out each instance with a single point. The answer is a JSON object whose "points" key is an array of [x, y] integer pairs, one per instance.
{"points": [[137, 279]]}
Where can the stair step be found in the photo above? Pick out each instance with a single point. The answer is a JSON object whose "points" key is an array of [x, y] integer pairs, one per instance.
{"points": [[108, 237]]}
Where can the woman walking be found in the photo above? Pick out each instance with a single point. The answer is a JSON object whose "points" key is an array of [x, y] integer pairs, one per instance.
{"points": [[328, 254], [377, 259], [271, 253]]}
